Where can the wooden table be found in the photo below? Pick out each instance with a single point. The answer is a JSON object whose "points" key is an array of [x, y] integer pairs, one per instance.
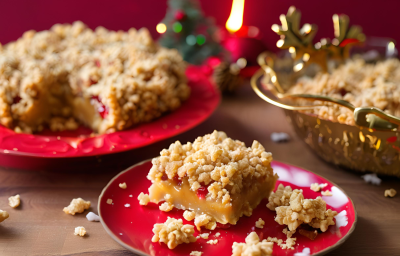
{"points": [[40, 227]]}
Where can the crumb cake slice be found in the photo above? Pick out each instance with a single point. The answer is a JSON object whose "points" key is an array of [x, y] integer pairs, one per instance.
{"points": [[214, 177], [107, 80]]}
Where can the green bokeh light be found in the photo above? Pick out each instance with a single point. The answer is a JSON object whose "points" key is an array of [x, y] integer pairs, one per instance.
{"points": [[177, 27], [191, 40], [201, 39]]}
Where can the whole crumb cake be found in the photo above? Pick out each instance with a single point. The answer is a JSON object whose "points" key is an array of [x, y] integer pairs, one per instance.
{"points": [[217, 178], [360, 83], [253, 246], [104, 79], [293, 210], [173, 233]]}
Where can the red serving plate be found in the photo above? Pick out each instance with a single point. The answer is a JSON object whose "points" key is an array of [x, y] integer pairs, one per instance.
{"points": [[132, 226], [16, 148]]}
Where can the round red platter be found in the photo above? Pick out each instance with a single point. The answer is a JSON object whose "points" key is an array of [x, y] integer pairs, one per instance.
{"points": [[131, 225], [203, 100]]}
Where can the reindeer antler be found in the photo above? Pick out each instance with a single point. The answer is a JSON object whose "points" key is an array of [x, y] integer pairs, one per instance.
{"points": [[299, 41]]}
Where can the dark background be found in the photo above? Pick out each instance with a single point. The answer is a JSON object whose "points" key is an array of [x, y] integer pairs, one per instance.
{"points": [[378, 18]]}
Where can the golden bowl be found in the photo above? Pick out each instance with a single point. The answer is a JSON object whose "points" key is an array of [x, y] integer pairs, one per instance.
{"points": [[368, 146]]}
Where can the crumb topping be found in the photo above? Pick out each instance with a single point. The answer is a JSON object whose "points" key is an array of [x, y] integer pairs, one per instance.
{"points": [[109, 201], [80, 231], [390, 192], [196, 253], [205, 220], [188, 215], [260, 223], [3, 215], [204, 236], [360, 83], [14, 201], [217, 234], [300, 210], [222, 165], [173, 233], [77, 205], [317, 187], [252, 246], [143, 198], [122, 185]]}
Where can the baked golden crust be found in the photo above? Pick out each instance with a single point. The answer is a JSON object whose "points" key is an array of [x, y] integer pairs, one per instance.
{"points": [[105, 79]]}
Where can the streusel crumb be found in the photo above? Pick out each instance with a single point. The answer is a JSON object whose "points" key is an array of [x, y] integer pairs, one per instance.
{"points": [[280, 197], [326, 193], [14, 201], [173, 233], [166, 207], [143, 198], [317, 187], [196, 253], [390, 192], [215, 241], [188, 215], [109, 201], [3, 215], [260, 223], [300, 210], [77, 205], [252, 246], [123, 185], [205, 220], [204, 236], [80, 231], [288, 244], [217, 234]]}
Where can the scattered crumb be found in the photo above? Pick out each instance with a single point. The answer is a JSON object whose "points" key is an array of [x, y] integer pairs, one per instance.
{"points": [[120, 234], [204, 236], [372, 178], [143, 198], [326, 193], [280, 137], [217, 234], [260, 223], [252, 246], [280, 197], [3, 215], [173, 233], [317, 187], [123, 185], [77, 205], [189, 216], [215, 241], [390, 192], [309, 234], [288, 233], [130, 195], [127, 205], [91, 216], [14, 201], [306, 252], [287, 245], [206, 221], [166, 207], [80, 231], [109, 201], [196, 253]]}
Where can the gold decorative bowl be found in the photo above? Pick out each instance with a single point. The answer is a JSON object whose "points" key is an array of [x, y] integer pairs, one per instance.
{"points": [[372, 145]]}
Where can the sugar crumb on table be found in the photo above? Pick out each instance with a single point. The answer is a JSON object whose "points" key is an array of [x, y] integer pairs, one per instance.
{"points": [[3, 215], [14, 201], [80, 231], [77, 205], [390, 192]]}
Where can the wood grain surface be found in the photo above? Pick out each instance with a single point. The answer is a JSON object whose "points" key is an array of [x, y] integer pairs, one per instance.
{"points": [[40, 227]]}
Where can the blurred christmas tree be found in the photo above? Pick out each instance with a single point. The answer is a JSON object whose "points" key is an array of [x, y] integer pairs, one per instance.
{"points": [[187, 30]]}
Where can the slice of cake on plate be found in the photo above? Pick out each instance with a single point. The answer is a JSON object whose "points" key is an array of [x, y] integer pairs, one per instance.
{"points": [[216, 178]]}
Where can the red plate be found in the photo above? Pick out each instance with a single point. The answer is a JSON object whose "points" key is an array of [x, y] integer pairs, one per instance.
{"points": [[203, 100], [132, 226]]}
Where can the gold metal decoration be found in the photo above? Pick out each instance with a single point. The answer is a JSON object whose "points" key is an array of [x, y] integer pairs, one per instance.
{"points": [[299, 41], [373, 144]]}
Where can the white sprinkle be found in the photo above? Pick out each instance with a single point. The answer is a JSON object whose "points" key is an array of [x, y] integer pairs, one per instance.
{"points": [[372, 178], [280, 137], [130, 195], [127, 205], [306, 252], [91, 216], [120, 234]]}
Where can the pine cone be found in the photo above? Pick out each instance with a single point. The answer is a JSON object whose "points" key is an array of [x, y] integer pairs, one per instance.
{"points": [[226, 77]]}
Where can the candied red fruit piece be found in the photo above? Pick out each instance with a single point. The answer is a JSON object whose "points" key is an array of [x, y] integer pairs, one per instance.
{"points": [[202, 192], [101, 108]]}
